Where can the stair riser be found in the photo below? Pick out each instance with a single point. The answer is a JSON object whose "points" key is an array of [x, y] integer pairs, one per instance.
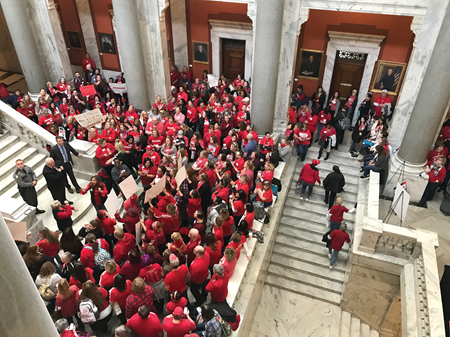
{"points": [[6, 146]]}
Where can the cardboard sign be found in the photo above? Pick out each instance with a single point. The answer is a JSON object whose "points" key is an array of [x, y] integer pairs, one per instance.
{"points": [[128, 187], [179, 162], [61, 132], [18, 230], [33, 233], [88, 90], [118, 88], [113, 203], [212, 80], [90, 118], [137, 227], [156, 189], [181, 176]]}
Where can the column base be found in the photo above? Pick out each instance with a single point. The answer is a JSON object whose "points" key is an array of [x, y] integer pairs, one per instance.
{"points": [[409, 168]]}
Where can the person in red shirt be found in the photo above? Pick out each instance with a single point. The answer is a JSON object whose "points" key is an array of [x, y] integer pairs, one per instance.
{"points": [[145, 323], [337, 237], [109, 134], [218, 285], [264, 193], [194, 204], [153, 155], [89, 250], [176, 279], [214, 249], [141, 294], [434, 154], [218, 229], [323, 118], [309, 175], [119, 294], [147, 171], [326, 137], [125, 243], [195, 240], [107, 277], [337, 214], [105, 154], [199, 271], [228, 261], [176, 300], [66, 300], [302, 138], [200, 164], [88, 60], [381, 102], [49, 243], [292, 114], [155, 124], [170, 219], [46, 119], [265, 145], [132, 216], [436, 173], [175, 325]]}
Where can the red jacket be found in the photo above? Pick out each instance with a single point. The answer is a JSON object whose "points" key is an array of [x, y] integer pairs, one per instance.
{"points": [[437, 178], [100, 153], [87, 256], [122, 248], [218, 287], [189, 248], [130, 223], [199, 269], [309, 175], [171, 223]]}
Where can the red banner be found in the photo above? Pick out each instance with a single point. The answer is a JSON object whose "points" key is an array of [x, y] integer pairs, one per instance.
{"points": [[88, 90]]}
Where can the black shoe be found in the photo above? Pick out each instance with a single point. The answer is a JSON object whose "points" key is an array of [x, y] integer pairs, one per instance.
{"points": [[326, 202], [70, 202], [327, 156], [362, 170], [355, 155], [316, 141], [364, 177], [78, 190], [39, 211], [423, 205]]}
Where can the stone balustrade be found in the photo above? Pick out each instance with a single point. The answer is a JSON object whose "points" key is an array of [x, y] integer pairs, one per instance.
{"points": [[39, 138]]}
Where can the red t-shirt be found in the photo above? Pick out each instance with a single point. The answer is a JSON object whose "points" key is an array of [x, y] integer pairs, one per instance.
{"points": [[47, 248], [249, 217], [148, 327], [227, 226], [120, 298], [176, 279], [173, 304], [268, 195], [238, 208], [228, 267], [218, 233], [337, 213], [267, 175], [147, 170], [193, 205], [304, 135], [177, 330], [338, 238], [214, 256], [151, 274], [218, 287], [324, 118], [199, 269]]}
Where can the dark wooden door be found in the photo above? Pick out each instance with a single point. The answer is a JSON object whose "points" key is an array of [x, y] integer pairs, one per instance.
{"points": [[347, 75], [233, 59]]}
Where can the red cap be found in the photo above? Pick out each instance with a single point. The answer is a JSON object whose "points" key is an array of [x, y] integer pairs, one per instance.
{"points": [[173, 257], [178, 311], [149, 147], [150, 235], [315, 162]]}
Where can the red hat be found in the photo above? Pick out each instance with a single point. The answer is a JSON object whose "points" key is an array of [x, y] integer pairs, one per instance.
{"points": [[149, 147], [178, 311], [150, 235], [315, 162], [191, 335], [173, 257]]}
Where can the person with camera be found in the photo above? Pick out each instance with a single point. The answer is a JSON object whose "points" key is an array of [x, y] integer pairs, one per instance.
{"points": [[98, 191]]}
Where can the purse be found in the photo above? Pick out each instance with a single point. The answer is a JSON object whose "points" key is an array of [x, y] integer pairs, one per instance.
{"points": [[44, 290]]}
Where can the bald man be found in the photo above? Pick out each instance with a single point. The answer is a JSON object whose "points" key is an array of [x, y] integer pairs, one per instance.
{"points": [[195, 240], [55, 181], [155, 124], [199, 272]]}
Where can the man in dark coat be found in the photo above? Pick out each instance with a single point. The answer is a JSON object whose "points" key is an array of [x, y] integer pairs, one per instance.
{"points": [[333, 184], [26, 181], [55, 180], [61, 153]]}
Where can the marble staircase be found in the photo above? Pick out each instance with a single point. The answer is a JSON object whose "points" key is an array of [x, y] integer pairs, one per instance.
{"points": [[12, 148], [299, 262], [351, 326]]}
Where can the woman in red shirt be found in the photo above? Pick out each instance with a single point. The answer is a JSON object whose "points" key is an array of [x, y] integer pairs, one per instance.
{"points": [[228, 222], [89, 250], [237, 205], [31, 108], [214, 248], [323, 118], [49, 243], [156, 140], [99, 297], [436, 173], [159, 104], [66, 301], [107, 277], [302, 138], [264, 193], [109, 134], [325, 140], [249, 215], [229, 261], [98, 192], [148, 172], [176, 301], [104, 154], [311, 123], [309, 175], [119, 294]]}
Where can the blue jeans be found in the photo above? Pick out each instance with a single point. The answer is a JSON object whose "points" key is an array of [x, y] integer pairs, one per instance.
{"points": [[319, 128], [310, 188], [302, 150], [334, 255], [334, 225], [368, 168], [364, 147]]}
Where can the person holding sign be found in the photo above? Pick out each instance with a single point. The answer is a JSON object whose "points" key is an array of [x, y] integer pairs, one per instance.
{"points": [[105, 154], [119, 173]]}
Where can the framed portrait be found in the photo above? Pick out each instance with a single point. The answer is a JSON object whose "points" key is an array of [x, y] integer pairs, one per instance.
{"points": [[389, 76], [107, 43], [74, 39], [311, 63], [200, 52]]}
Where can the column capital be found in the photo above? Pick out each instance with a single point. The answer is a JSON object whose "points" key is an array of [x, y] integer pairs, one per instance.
{"points": [[52, 5], [251, 11], [303, 16], [416, 26], [111, 12], [162, 5]]}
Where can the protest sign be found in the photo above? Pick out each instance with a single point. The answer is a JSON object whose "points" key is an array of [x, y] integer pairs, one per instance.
{"points": [[113, 203], [212, 80], [156, 189], [128, 187], [88, 90], [90, 118], [118, 88]]}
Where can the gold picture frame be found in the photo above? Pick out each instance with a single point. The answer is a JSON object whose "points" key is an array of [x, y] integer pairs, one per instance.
{"points": [[311, 68], [200, 55], [388, 75]]}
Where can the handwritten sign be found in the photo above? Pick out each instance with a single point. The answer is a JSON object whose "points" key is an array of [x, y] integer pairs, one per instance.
{"points": [[90, 118], [88, 90], [181, 176], [213, 80], [156, 189], [118, 88], [113, 203], [128, 187], [33, 233]]}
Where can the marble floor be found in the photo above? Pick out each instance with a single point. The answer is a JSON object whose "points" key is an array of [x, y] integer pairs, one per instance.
{"points": [[284, 314]]}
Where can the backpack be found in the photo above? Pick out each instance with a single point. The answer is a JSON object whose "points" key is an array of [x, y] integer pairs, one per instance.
{"points": [[101, 257], [277, 182], [345, 122], [89, 313], [45, 292], [225, 327], [259, 210]]}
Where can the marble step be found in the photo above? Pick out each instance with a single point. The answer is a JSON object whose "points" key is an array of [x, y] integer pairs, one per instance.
{"points": [[13, 151], [341, 152], [306, 225], [317, 277], [301, 234], [310, 212], [355, 327], [6, 141], [41, 185], [310, 261], [350, 178], [317, 248], [349, 198], [340, 159], [374, 333], [315, 207], [302, 289], [32, 159], [8, 166], [365, 330], [352, 170], [350, 188], [344, 330]]}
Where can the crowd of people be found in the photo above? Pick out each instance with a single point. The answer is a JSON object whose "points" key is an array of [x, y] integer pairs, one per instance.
{"points": [[192, 233]]}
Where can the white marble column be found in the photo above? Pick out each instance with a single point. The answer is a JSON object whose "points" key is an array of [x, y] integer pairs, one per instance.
{"points": [[22, 312], [268, 27], [431, 102], [426, 31], [128, 32], [294, 16], [179, 32], [154, 44], [21, 29], [87, 27]]}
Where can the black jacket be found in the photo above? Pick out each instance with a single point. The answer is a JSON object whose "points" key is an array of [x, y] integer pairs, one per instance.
{"points": [[54, 178], [56, 154], [364, 108], [334, 182], [321, 100], [381, 163]]}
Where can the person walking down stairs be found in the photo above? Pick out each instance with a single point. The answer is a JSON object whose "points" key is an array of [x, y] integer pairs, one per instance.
{"points": [[309, 175], [337, 237]]}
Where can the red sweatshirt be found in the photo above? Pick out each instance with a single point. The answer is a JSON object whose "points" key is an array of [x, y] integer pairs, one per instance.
{"points": [[218, 287], [308, 175]]}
